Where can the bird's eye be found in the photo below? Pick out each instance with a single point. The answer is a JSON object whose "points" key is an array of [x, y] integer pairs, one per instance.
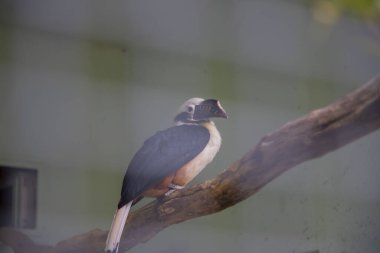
{"points": [[190, 109]]}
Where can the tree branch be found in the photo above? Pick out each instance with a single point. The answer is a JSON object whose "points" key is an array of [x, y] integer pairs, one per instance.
{"points": [[317, 133]]}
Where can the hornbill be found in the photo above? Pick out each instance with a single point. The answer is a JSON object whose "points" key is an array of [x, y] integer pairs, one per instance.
{"points": [[169, 160]]}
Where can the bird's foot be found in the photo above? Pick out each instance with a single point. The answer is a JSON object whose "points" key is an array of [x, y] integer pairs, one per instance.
{"points": [[173, 188]]}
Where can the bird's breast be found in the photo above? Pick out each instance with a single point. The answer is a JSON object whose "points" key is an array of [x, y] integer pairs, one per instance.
{"points": [[196, 165]]}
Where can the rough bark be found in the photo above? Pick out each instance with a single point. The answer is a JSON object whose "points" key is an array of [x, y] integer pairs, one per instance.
{"points": [[317, 133]]}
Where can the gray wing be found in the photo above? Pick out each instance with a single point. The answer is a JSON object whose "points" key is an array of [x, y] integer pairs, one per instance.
{"points": [[161, 156]]}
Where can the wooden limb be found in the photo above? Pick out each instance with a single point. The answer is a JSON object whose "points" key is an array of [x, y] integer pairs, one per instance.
{"points": [[317, 133]]}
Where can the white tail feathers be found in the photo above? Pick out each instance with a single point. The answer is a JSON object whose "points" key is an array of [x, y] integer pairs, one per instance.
{"points": [[116, 229]]}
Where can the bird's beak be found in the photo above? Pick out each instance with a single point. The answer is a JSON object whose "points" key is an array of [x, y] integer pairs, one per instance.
{"points": [[210, 108]]}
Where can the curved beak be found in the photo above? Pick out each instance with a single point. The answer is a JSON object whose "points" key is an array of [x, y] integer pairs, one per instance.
{"points": [[210, 108]]}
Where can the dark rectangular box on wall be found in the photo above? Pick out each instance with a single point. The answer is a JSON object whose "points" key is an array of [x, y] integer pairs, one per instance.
{"points": [[18, 197]]}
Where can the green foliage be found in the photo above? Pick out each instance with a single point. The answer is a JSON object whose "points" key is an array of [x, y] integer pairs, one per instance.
{"points": [[361, 8]]}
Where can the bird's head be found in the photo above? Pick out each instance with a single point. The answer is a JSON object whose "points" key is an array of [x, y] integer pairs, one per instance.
{"points": [[199, 109]]}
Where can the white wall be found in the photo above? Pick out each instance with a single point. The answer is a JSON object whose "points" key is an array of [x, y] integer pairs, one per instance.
{"points": [[77, 109]]}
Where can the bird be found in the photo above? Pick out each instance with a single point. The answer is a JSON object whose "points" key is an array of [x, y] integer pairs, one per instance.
{"points": [[169, 160]]}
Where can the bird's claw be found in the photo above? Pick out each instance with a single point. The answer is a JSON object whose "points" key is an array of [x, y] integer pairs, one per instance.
{"points": [[173, 188]]}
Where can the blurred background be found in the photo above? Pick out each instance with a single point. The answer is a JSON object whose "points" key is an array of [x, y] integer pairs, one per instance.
{"points": [[84, 83]]}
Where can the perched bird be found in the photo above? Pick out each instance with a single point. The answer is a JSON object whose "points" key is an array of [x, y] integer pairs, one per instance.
{"points": [[169, 160]]}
